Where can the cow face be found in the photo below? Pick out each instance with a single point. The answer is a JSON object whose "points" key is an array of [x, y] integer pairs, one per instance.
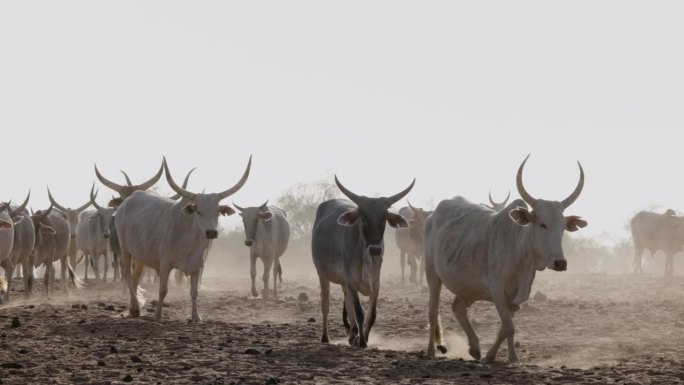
{"points": [[417, 223], [674, 235], [102, 220], [547, 224], [371, 215], [251, 216], [205, 209]]}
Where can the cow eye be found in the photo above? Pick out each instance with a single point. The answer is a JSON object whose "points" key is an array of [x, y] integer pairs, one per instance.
{"points": [[543, 226]]}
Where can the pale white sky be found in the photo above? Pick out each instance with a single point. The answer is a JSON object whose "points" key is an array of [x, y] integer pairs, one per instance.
{"points": [[452, 93]]}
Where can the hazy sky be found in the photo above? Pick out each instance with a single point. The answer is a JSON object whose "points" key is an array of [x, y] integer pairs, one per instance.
{"points": [[452, 93]]}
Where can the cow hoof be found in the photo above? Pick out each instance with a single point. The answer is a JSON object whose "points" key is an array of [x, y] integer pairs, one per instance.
{"points": [[255, 293], [490, 359], [197, 319], [325, 340], [475, 353], [442, 349], [134, 314]]}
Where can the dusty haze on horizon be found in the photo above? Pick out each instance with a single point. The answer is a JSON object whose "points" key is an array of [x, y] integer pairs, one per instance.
{"points": [[453, 94]]}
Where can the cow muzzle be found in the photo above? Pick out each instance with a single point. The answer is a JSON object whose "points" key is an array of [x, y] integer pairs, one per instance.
{"points": [[212, 234], [375, 250], [249, 243], [560, 265]]}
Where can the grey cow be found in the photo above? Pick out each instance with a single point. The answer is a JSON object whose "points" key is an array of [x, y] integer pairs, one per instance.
{"points": [[72, 216], [653, 232], [22, 247], [267, 233], [92, 235], [52, 244], [164, 234], [347, 247], [480, 255], [410, 242]]}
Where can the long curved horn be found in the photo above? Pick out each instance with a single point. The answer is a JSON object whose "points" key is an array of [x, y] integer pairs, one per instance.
{"points": [[578, 190], [353, 197], [507, 198], [415, 210], [185, 184], [521, 189], [80, 209], [54, 202], [93, 196], [14, 213], [239, 184], [44, 214], [152, 181], [116, 187], [179, 190], [238, 207], [395, 198], [502, 204], [490, 198], [264, 206], [128, 180]]}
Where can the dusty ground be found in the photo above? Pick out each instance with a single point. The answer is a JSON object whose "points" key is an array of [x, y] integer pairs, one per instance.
{"points": [[591, 329]]}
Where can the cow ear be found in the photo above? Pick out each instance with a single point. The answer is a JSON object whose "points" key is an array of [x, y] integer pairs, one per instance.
{"points": [[266, 216], [226, 210], [574, 223], [190, 208], [396, 220], [18, 219], [47, 229], [521, 216], [4, 225], [349, 218]]}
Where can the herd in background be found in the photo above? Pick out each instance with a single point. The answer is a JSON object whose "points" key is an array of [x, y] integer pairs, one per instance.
{"points": [[478, 252]]}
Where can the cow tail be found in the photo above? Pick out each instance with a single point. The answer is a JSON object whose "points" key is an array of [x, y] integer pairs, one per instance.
{"points": [[139, 295], [280, 272], [77, 282]]}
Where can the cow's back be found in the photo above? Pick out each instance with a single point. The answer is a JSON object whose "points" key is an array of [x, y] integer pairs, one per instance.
{"points": [[6, 237], [331, 243], [648, 230], [24, 237], [282, 235]]}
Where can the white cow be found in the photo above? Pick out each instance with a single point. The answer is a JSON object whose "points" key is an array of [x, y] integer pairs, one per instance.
{"points": [[165, 234], [482, 255]]}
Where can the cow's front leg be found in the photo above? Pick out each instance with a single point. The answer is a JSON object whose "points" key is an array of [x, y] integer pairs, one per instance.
{"points": [[268, 264], [164, 273], [507, 330], [63, 273], [354, 303], [194, 285], [252, 273]]}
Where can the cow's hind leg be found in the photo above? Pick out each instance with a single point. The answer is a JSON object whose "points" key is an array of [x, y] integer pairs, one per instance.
{"points": [[194, 286], [636, 263], [325, 307], [27, 268], [8, 266], [413, 267], [164, 274], [435, 334], [461, 312], [127, 261]]}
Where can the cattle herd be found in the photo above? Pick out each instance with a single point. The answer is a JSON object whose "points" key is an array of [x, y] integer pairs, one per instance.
{"points": [[478, 252]]}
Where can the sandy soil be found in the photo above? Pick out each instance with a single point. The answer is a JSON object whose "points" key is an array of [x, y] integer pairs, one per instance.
{"points": [[591, 329]]}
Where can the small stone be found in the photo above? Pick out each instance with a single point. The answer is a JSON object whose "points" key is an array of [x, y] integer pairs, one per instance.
{"points": [[75, 306], [23, 351], [101, 304], [311, 320], [272, 381], [128, 378], [252, 352], [15, 323], [110, 308], [113, 349], [136, 360], [100, 363], [303, 297], [269, 352], [84, 307], [12, 365], [540, 297]]}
